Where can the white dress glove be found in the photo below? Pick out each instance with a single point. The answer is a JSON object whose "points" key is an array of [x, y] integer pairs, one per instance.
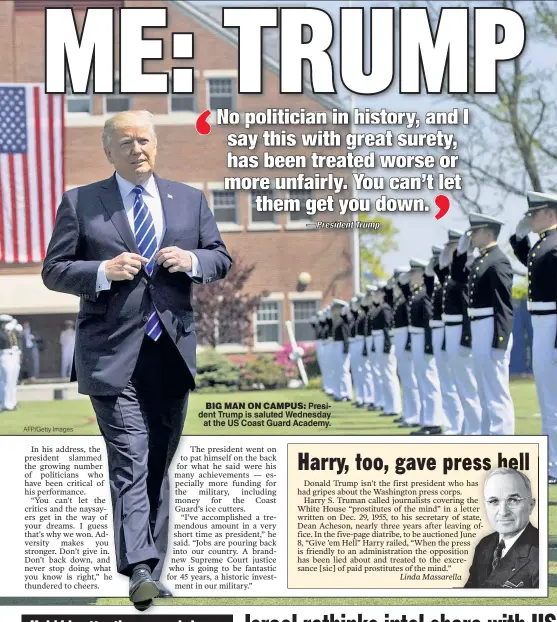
{"points": [[523, 228], [429, 271], [404, 278], [445, 257], [463, 244]]}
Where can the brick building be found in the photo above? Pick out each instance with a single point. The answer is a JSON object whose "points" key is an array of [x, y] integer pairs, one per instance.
{"points": [[280, 245]]}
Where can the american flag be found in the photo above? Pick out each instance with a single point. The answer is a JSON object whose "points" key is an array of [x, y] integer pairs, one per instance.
{"points": [[31, 170]]}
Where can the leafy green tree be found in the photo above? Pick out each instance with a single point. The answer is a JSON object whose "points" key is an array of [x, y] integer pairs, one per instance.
{"points": [[374, 243]]}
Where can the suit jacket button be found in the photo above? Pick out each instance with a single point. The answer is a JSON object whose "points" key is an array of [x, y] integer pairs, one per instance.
{"points": [[145, 319], [151, 287]]}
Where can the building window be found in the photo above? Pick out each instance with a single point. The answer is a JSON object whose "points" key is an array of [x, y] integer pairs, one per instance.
{"points": [[221, 93], [303, 311], [257, 216], [225, 206], [78, 103], [267, 323], [117, 102], [303, 196], [182, 102]]}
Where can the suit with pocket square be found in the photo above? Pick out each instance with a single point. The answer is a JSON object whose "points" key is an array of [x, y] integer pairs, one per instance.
{"points": [[138, 387], [519, 568]]}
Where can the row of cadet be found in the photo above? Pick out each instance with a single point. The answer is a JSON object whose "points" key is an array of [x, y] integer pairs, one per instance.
{"points": [[11, 347], [442, 331]]}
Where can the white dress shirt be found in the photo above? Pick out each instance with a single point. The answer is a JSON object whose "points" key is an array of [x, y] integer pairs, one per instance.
{"points": [[152, 200], [510, 541]]}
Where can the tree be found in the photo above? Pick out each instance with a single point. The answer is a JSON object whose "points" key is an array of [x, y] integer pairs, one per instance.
{"points": [[511, 142], [374, 243], [223, 311]]}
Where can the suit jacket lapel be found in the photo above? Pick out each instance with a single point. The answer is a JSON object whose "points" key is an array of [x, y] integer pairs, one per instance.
{"points": [[112, 203], [486, 563], [169, 213], [518, 556]]}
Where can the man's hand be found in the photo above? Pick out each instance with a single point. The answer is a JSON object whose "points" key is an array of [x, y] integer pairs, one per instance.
{"points": [[124, 267], [429, 271], [446, 256], [404, 278], [174, 258], [524, 227], [463, 244]]}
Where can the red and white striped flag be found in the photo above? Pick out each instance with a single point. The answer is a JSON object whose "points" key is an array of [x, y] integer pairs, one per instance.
{"points": [[31, 170]]}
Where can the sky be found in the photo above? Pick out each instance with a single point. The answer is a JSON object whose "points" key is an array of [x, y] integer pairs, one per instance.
{"points": [[419, 231]]}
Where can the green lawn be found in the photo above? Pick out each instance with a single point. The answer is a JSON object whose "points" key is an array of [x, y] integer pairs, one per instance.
{"points": [[345, 420]]}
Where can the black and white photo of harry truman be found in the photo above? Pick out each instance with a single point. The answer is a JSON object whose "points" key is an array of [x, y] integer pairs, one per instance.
{"points": [[508, 557]]}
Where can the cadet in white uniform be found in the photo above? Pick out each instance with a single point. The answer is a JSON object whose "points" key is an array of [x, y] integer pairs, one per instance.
{"points": [[340, 352], [67, 344], [541, 261], [434, 279], [421, 311], [11, 363], [410, 395], [376, 375], [359, 362], [490, 279], [458, 339], [385, 353]]}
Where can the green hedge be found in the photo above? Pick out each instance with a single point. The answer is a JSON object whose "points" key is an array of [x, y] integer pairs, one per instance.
{"points": [[215, 373]]}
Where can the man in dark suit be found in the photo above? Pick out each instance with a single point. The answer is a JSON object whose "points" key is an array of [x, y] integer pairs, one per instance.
{"points": [[509, 557], [131, 246]]}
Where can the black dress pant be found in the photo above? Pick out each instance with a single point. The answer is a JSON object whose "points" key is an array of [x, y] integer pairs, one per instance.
{"points": [[142, 428]]}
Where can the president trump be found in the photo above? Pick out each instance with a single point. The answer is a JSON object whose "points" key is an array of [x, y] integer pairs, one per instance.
{"points": [[131, 246]]}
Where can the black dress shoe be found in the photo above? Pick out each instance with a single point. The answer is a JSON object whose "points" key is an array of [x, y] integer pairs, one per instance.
{"points": [[164, 592], [143, 588], [388, 414], [374, 408], [427, 431], [398, 420]]}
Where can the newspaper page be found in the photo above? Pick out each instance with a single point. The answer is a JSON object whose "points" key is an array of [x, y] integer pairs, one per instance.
{"points": [[252, 254]]}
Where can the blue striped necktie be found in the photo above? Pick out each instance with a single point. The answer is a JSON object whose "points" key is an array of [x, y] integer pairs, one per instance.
{"points": [[144, 228]]}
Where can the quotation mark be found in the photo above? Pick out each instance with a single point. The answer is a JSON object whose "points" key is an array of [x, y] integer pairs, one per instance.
{"points": [[443, 204], [202, 125]]}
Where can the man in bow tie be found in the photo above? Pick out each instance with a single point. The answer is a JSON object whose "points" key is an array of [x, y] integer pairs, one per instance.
{"points": [[131, 247], [509, 557]]}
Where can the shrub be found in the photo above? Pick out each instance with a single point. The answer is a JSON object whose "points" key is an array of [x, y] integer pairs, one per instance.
{"points": [[314, 383], [262, 372], [215, 373], [309, 359]]}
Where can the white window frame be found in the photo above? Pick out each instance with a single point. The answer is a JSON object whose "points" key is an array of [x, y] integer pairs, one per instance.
{"points": [[173, 113], [265, 225], [269, 346], [81, 97], [300, 223], [115, 94], [225, 227], [293, 314], [219, 76]]}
